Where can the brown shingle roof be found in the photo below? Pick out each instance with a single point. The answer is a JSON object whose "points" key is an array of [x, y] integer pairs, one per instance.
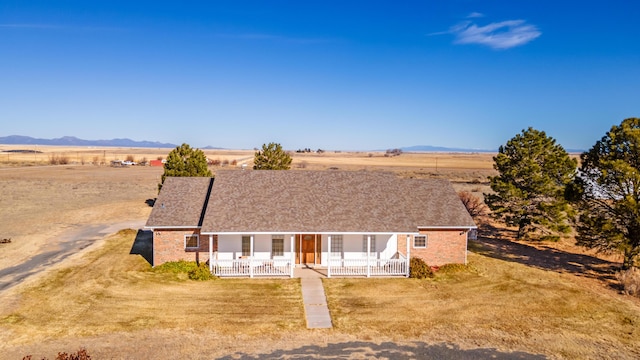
{"points": [[330, 201], [180, 203]]}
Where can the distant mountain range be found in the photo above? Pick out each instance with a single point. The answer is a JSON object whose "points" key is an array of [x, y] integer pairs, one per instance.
{"points": [[74, 141]]}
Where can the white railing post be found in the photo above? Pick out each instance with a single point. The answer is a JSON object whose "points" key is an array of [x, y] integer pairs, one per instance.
{"points": [[408, 255], [329, 256], [368, 257], [293, 254], [251, 257], [211, 253]]}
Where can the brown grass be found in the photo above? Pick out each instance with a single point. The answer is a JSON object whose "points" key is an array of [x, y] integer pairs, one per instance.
{"points": [[491, 303], [110, 290], [505, 304]]}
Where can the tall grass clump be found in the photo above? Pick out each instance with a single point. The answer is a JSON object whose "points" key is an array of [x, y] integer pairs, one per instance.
{"points": [[630, 281]]}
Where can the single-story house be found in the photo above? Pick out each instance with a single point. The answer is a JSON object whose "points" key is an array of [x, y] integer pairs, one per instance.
{"points": [[265, 223]]}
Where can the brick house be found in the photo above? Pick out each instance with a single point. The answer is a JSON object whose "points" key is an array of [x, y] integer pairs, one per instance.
{"points": [[265, 223]]}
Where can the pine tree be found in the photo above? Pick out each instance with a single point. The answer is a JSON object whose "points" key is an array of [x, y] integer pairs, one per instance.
{"points": [[185, 161], [529, 190], [271, 157], [608, 192]]}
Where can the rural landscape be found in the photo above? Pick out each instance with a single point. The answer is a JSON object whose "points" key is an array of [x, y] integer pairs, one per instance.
{"points": [[98, 292], [245, 179]]}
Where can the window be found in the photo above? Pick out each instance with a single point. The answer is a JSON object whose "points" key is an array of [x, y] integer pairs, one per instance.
{"points": [[364, 243], [277, 245], [191, 241], [246, 246], [420, 241], [336, 245]]}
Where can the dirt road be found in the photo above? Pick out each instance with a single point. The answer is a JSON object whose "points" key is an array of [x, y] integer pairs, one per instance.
{"points": [[59, 248]]}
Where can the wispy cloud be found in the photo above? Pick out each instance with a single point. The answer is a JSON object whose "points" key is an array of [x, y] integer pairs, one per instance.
{"points": [[475, 15], [498, 35]]}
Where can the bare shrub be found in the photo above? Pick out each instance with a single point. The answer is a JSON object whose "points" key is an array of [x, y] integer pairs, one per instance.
{"points": [[393, 152], [474, 205], [96, 160], [130, 158], [55, 159], [302, 164], [225, 162], [630, 281], [79, 355], [234, 162]]}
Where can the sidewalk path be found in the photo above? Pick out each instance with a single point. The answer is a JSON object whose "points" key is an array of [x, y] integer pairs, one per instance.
{"points": [[315, 302]]}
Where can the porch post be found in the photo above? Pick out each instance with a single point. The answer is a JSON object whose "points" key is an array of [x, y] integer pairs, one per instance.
{"points": [[293, 254], [329, 256], [408, 255], [210, 253], [251, 257], [368, 251]]}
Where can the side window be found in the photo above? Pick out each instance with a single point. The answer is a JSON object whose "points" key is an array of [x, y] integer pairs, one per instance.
{"points": [[246, 246], [420, 241], [336, 245], [277, 245], [372, 246], [191, 241]]}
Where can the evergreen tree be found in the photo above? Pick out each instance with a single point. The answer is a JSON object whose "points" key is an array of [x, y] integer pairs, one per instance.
{"points": [[529, 189], [271, 157], [608, 192], [185, 161]]}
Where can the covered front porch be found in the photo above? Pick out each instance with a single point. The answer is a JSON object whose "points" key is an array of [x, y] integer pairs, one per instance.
{"points": [[273, 255]]}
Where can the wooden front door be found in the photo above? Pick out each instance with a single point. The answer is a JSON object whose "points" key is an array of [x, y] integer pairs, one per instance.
{"points": [[308, 249]]}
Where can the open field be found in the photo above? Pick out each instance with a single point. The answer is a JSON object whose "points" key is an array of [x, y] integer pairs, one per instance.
{"points": [[551, 299], [30, 155]]}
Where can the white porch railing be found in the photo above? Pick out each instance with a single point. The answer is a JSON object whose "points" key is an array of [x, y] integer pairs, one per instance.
{"points": [[252, 267], [339, 267], [377, 267]]}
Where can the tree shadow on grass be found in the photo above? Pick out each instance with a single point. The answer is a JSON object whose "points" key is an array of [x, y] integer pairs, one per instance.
{"points": [[386, 350], [496, 245], [143, 245]]}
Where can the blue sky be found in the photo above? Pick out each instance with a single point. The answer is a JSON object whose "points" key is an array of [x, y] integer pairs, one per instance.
{"points": [[336, 75]]}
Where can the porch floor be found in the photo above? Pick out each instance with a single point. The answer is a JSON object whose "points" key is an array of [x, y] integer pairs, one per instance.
{"points": [[308, 272]]}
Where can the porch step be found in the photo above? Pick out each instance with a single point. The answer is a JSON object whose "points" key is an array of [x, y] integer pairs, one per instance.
{"points": [[315, 303]]}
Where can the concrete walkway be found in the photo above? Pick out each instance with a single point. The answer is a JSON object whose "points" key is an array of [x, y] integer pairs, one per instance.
{"points": [[315, 301]]}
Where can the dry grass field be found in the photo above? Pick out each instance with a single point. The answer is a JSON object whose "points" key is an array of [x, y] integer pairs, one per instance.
{"points": [[513, 300]]}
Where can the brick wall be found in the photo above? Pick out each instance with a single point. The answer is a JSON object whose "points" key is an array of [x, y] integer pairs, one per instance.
{"points": [[169, 245], [443, 247]]}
